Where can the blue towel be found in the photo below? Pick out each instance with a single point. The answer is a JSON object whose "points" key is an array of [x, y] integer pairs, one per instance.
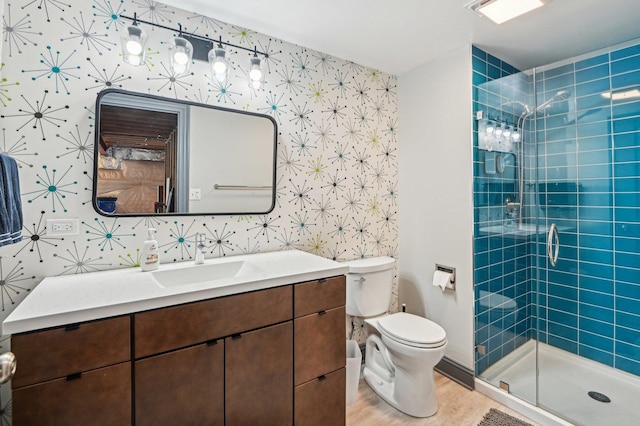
{"points": [[10, 203]]}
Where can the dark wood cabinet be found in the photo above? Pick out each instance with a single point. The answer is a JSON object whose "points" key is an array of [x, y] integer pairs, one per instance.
{"points": [[97, 397], [183, 387], [320, 352], [233, 360], [259, 377]]}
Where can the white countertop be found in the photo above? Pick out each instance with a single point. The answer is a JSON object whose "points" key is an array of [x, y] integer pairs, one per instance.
{"points": [[76, 298]]}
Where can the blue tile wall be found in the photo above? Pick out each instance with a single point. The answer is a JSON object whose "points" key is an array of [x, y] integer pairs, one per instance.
{"points": [[502, 267], [588, 157]]}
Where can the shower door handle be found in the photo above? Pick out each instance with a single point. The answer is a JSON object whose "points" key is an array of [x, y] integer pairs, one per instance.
{"points": [[553, 254]]}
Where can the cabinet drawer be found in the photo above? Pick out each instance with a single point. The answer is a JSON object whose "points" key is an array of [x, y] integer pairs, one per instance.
{"points": [[58, 352], [183, 387], [319, 344], [99, 397], [321, 402], [314, 296], [185, 325]]}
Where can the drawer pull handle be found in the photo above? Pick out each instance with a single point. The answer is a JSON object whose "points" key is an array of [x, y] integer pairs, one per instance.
{"points": [[321, 378], [73, 376], [71, 327], [322, 312], [212, 342], [236, 336], [322, 280]]}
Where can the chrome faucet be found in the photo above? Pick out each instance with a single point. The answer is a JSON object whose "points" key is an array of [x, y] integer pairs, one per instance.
{"points": [[201, 248], [513, 207]]}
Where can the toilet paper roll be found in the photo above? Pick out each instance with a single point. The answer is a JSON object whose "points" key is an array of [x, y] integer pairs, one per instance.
{"points": [[441, 279]]}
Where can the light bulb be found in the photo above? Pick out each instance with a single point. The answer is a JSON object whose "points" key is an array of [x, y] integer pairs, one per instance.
{"points": [[515, 136], [255, 74], [219, 67], [133, 59], [179, 68], [255, 84], [498, 131], [180, 58], [134, 47], [507, 132], [489, 129]]}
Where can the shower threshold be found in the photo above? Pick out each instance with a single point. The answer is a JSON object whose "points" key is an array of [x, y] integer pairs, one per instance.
{"points": [[565, 380]]}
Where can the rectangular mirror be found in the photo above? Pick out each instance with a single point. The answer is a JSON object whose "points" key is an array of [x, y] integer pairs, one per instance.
{"points": [[160, 156]]}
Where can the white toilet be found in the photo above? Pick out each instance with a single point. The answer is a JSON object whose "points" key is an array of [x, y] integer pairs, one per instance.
{"points": [[402, 348]]}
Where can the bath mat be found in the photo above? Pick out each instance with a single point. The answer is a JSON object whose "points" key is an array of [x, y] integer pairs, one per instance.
{"points": [[498, 418]]}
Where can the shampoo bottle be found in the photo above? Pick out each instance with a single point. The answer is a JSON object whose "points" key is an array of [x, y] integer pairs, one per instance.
{"points": [[150, 260]]}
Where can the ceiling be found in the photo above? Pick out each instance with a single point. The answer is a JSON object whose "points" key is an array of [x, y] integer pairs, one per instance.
{"points": [[135, 128], [396, 36]]}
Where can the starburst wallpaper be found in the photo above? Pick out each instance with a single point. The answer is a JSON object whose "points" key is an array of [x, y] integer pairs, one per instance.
{"points": [[337, 169]]}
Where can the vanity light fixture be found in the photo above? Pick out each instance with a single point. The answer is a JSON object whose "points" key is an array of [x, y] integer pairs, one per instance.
{"points": [[219, 62], [500, 11], [133, 42], [186, 47], [180, 53], [255, 72], [618, 96]]}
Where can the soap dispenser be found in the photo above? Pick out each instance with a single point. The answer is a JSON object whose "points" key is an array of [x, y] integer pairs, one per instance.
{"points": [[150, 252]]}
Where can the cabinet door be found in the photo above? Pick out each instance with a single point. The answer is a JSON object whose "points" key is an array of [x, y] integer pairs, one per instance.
{"points": [[259, 377], [184, 387], [98, 397], [319, 344], [322, 401]]}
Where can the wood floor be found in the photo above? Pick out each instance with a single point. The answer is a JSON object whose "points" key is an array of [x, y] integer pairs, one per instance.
{"points": [[457, 406]]}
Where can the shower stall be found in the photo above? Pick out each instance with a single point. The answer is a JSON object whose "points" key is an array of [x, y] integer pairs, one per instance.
{"points": [[557, 232]]}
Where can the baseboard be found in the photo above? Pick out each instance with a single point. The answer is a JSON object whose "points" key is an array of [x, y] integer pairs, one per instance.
{"points": [[456, 372]]}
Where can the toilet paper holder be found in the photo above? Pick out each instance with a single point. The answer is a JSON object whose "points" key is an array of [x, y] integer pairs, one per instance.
{"points": [[450, 270]]}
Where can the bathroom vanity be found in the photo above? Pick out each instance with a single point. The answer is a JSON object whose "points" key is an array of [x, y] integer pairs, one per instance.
{"points": [[261, 341]]}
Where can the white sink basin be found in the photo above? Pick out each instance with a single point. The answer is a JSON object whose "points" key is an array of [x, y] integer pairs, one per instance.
{"points": [[204, 273]]}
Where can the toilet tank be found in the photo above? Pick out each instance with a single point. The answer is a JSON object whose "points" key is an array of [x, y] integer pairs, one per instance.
{"points": [[369, 283]]}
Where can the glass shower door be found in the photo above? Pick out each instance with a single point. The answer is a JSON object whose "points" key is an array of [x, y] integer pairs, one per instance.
{"points": [[505, 235]]}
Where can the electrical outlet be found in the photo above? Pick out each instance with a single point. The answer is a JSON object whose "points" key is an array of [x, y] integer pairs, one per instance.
{"points": [[194, 194], [62, 227]]}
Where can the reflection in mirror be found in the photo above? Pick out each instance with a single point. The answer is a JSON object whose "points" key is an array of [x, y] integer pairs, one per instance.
{"points": [[162, 156]]}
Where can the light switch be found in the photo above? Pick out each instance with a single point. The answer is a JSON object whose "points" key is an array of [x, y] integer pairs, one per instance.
{"points": [[194, 194]]}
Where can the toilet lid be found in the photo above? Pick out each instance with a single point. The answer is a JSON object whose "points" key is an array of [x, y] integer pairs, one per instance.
{"points": [[412, 330]]}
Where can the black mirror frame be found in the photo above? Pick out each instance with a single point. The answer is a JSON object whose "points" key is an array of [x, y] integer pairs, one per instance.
{"points": [[96, 153]]}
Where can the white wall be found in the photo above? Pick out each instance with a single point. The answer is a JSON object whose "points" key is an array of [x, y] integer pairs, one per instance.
{"points": [[436, 183], [230, 149]]}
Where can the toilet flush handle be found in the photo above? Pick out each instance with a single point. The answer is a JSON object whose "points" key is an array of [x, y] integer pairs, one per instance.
{"points": [[361, 280]]}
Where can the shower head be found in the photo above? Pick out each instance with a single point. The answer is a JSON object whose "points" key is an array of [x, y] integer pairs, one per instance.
{"points": [[562, 95]]}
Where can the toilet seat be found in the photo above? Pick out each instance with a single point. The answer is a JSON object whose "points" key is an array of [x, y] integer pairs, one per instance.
{"points": [[412, 330]]}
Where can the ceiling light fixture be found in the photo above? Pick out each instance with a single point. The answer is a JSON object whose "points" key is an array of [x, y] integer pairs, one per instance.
{"points": [[186, 47], [500, 11]]}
